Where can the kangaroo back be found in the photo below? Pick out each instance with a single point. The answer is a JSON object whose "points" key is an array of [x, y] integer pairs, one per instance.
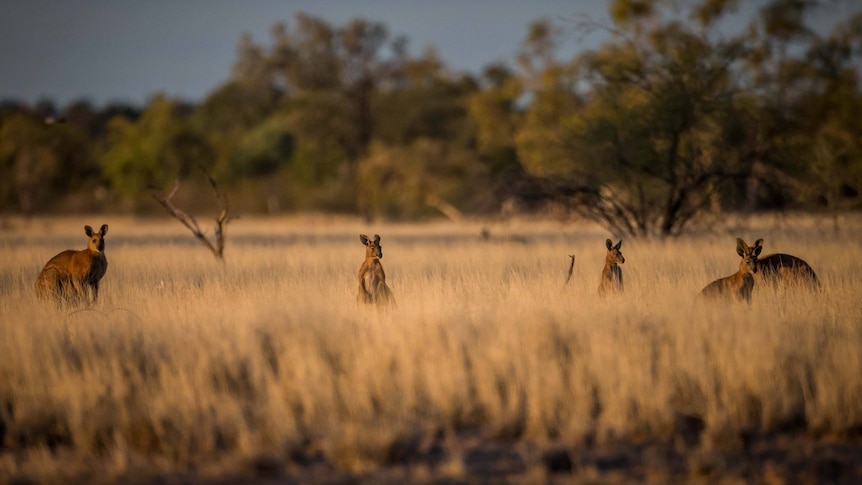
{"points": [[612, 273], [74, 276], [372, 278], [784, 268]]}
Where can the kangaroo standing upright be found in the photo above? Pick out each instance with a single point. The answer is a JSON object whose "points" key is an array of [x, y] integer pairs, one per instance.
{"points": [[739, 285], [612, 274], [75, 275], [372, 279]]}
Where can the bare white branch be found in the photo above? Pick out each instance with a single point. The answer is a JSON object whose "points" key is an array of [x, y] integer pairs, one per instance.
{"points": [[191, 223]]}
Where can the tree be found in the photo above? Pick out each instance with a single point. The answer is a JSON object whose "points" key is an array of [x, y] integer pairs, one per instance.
{"points": [[265, 150], [634, 133], [494, 109], [340, 89], [496, 112], [26, 156], [426, 102], [824, 100], [216, 246], [409, 182], [152, 151], [40, 161]]}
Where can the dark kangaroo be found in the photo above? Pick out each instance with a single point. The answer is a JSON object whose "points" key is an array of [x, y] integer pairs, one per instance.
{"points": [[784, 268]]}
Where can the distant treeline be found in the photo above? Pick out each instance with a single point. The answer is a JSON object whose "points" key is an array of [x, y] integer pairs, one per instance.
{"points": [[669, 118]]}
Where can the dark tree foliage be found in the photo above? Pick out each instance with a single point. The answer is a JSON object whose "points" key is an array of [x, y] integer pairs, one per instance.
{"points": [[669, 120]]}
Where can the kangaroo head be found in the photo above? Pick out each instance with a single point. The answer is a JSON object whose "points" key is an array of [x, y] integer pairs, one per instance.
{"points": [[372, 246], [748, 254], [97, 239], [615, 256]]}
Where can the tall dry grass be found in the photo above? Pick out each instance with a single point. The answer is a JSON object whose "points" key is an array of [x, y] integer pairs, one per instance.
{"points": [[189, 365]]}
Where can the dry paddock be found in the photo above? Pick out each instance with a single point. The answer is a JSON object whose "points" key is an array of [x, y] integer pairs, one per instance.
{"points": [[490, 369]]}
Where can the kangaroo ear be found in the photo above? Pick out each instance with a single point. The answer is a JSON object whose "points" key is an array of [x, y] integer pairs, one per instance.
{"points": [[364, 239], [619, 245], [759, 242], [88, 230], [741, 247], [757, 250], [377, 238], [609, 244], [104, 229]]}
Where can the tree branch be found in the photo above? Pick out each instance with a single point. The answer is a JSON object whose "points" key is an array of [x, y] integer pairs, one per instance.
{"points": [[571, 268], [217, 248]]}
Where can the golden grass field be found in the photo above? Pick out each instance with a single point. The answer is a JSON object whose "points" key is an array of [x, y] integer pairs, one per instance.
{"points": [[489, 368]]}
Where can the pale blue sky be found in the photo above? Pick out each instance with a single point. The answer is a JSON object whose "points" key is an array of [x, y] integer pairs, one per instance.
{"points": [[125, 50]]}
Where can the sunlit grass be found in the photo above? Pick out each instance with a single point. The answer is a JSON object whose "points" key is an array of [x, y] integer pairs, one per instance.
{"points": [[185, 361]]}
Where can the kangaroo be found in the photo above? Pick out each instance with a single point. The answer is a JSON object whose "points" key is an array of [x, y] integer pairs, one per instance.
{"points": [[740, 284], [372, 279], [612, 275], [778, 268], [72, 275]]}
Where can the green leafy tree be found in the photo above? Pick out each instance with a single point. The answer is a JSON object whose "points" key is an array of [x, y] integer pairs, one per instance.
{"points": [[496, 112], [409, 182], [266, 149], [821, 93], [152, 151], [41, 163], [341, 88], [634, 133], [425, 102], [322, 130], [27, 158]]}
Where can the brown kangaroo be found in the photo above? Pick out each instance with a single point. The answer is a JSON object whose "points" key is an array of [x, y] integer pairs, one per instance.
{"points": [[72, 275], [372, 279], [740, 284], [612, 274], [784, 268]]}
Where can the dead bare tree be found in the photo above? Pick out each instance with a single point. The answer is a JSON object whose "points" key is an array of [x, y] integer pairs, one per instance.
{"points": [[571, 268], [191, 223], [447, 209]]}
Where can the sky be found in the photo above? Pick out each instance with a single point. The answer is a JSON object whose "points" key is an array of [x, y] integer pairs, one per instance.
{"points": [[129, 50], [125, 50]]}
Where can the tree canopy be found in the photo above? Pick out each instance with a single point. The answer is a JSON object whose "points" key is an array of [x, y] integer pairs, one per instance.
{"points": [[675, 115]]}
